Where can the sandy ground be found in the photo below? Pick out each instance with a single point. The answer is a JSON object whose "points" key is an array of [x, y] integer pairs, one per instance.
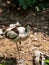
{"points": [[36, 41]]}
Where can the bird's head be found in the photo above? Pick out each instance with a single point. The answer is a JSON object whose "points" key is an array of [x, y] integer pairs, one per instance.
{"points": [[28, 28]]}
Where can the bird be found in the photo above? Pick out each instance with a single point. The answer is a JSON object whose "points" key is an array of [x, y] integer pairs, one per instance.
{"points": [[38, 58], [17, 33]]}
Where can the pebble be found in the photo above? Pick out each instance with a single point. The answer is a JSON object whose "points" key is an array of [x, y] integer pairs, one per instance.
{"points": [[35, 38], [21, 62], [35, 33], [33, 48], [31, 36], [37, 45], [22, 52], [1, 55], [1, 37]]}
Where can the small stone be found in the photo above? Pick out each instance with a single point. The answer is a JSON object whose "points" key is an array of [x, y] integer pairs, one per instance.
{"points": [[1, 55], [42, 18], [19, 8], [35, 33], [21, 62], [8, 2], [14, 5], [1, 37], [27, 17], [37, 45], [35, 28], [1, 10], [32, 48], [45, 27], [4, 4], [31, 36], [44, 40], [35, 39], [22, 52], [34, 14]]}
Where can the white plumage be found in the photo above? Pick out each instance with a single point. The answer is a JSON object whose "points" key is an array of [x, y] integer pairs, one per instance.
{"points": [[1, 34], [18, 36], [18, 32], [11, 34], [21, 30], [37, 58], [37, 61], [43, 60], [13, 26], [1, 31]]}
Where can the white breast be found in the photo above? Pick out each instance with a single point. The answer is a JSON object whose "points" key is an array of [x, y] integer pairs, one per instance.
{"points": [[21, 29], [1, 31]]}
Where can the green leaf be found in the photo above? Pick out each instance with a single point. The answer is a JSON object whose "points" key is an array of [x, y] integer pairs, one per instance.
{"points": [[25, 3], [47, 61], [25, 6], [46, 64], [33, 1], [29, 5], [21, 2], [37, 9], [1, 64]]}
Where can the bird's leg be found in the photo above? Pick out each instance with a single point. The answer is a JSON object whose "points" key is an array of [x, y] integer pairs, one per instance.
{"points": [[17, 46], [20, 60]]}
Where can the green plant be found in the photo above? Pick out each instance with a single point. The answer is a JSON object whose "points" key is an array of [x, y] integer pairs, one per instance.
{"points": [[47, 61], [26, 3], [37, 5], [1, 64], [4, 63]]}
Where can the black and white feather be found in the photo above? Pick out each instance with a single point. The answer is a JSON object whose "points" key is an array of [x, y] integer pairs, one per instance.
{"points": [[17, 32]]}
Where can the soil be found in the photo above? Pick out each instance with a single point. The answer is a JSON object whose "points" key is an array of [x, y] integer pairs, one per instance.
{"points": [[36, 41]]}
